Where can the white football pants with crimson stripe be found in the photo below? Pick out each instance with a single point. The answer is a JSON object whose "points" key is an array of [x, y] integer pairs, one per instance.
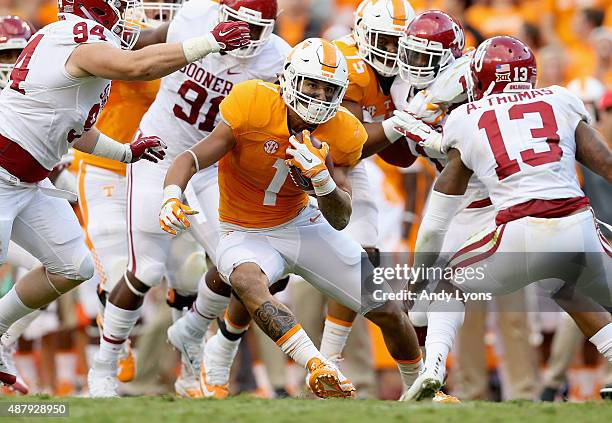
{"points": [[533, 249], [44, 226]]}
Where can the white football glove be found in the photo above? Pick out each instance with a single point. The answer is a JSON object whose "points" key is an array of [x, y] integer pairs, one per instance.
{"points": [[418, 131], [423, 106]]}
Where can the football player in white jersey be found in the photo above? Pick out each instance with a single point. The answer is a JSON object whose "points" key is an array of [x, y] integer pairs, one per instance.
{"points": [[522, 144], [185, 111], [55, 92]]}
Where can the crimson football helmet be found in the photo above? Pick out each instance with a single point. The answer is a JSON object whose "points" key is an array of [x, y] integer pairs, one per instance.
{"points": [[502, 64], [118, 16], [259, 14], [432, 41], [14, 35]]}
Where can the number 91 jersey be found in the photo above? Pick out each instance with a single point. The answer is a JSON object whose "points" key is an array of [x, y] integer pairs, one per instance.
{"points": [[44, 109], [521, 145], [186, 108]]}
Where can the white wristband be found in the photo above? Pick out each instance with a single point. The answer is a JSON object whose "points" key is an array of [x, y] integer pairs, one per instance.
{"points": [[111, 149], [391, 134], [172, 191], [323, 183], [198, 47]]}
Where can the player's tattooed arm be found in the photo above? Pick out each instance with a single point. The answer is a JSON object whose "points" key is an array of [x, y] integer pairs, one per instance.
{"points": [[593, 151], [207, 152], [377, 140], [336, 206], [274, 319]]}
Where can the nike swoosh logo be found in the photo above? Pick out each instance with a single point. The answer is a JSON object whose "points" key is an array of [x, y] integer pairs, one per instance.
{"points": [[223, 34], [229, 72], [306, 159]]}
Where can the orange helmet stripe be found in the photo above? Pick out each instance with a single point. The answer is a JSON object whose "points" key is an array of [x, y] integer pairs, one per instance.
{"points": [[329, 57], [399, 12]]}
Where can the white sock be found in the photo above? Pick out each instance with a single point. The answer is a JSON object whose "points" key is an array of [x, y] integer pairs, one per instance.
{"points": [[207, 306], [603, 341], [297, 345], [18, 328], [118, 324], [335, 335], [11, 310], [443, 325], [409, 371]]}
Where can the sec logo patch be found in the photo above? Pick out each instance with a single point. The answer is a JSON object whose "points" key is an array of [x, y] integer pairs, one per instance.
{"points": [[271, 147]]}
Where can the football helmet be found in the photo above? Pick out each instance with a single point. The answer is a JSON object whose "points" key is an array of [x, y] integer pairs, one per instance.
{"points": [[114, 15], [501, 64], [259, 14], [318, 59], [14, 35], [152, 13], [374, 18], [433, 40]]}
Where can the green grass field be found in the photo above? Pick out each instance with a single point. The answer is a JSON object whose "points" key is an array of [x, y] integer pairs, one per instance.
{"points": [[245, 409]]}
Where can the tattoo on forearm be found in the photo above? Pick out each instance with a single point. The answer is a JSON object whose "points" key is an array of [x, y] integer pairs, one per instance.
{"points": [[274, 319]]}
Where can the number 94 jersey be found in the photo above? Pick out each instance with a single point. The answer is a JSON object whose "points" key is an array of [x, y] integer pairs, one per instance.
{"points": [[44, 109], [521, 145], [186, 108]]}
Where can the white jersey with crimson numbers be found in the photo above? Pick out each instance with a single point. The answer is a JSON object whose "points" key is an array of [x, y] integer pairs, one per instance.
{"points": [[44, 109], [522, 145], [186, 108]]}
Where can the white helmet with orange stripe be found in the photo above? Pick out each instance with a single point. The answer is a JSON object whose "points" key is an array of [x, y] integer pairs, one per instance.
{"points": [[314, 80], [379, 24]]}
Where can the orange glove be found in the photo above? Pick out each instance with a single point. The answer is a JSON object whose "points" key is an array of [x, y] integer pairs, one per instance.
{"points": [[173, 216], [306, 157]]}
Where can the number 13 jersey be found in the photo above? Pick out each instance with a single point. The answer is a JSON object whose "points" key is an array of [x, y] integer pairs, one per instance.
{"points": [[522, 146], [44, 109], [186, 108]]}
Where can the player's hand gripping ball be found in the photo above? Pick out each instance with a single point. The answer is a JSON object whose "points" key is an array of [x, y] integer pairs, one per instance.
{"points": [[308, 157]]}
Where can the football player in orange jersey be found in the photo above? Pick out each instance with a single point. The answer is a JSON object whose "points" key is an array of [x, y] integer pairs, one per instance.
{"points": [[269, 228]]}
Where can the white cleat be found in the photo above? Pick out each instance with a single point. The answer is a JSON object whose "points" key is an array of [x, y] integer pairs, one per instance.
{"points": [[189, 346], [214, 378], [102, 380], [187, 385], [424, 387], [7, 355], [8, 374]]}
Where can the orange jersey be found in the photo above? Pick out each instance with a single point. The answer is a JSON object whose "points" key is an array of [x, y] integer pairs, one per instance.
{"points": [[127, 103], [255, 188], [363, 88]]}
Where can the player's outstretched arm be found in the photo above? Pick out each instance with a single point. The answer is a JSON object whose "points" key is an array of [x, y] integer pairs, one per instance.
{"points": [[152, 36], [154, 61], [593, 151], [173, 214], [446, 200]]}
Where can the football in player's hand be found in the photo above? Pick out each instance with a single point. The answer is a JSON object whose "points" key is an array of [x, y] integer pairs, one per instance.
{"points": [[300, 180]]}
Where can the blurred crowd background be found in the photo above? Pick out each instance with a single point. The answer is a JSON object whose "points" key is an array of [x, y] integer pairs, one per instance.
{"points": [[500, 355]]}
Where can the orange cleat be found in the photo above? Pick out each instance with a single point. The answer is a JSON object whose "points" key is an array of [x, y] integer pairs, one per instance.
{"points": [[326, 381], [442, 398], [210, 390], [126, 364]]}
